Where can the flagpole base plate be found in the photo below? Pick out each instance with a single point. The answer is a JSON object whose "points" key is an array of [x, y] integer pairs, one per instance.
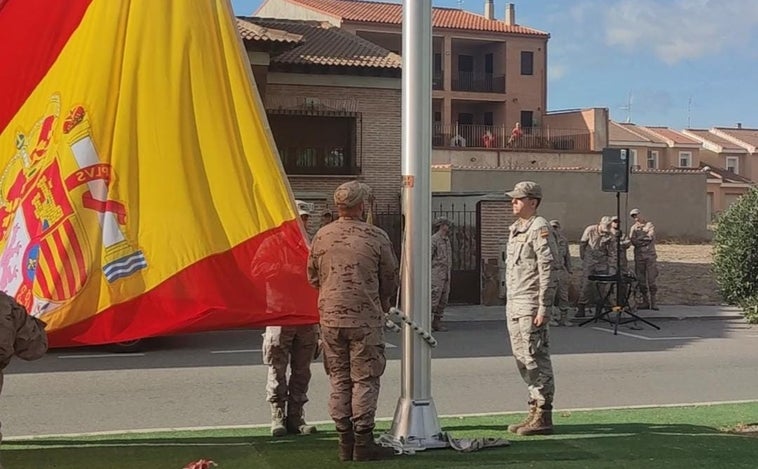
{"points": [[415, 427]]}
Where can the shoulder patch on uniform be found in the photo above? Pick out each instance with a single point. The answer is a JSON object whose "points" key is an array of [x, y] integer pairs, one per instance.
{"points": [[544, 232]]}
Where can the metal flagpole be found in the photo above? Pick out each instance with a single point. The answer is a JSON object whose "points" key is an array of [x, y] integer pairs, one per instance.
{"points": [[415, 425]]}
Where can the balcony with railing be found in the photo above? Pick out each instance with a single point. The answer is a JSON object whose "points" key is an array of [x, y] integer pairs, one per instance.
{"points": [[478, 82], [502, 138]]}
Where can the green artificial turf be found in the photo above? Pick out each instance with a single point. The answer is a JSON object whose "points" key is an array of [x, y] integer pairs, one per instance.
{"points": [[671, 437]]}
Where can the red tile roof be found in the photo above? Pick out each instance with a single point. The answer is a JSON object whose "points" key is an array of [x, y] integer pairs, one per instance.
{"points": [[669, 170], [655, 137], [325, 44], [362, 11], [727, 145], [724, 175], [676, 137], [749, 136], [254, 32], [624, 133]]}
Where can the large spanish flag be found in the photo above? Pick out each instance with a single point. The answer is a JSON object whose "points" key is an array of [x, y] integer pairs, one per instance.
{"points": [[140, 191]]}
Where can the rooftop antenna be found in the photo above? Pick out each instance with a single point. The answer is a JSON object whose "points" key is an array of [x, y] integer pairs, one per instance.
{"points": [[689, 113], [628, 109], [460, 4]]}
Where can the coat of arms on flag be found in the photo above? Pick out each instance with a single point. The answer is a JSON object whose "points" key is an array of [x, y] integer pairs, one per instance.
{"points": [[47, 256]]}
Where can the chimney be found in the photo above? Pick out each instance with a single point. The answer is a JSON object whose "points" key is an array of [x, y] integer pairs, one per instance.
{"points": [[510, 14], [739, 125], [489, 9]]}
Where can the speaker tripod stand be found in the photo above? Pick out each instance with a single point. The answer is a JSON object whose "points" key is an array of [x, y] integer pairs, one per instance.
{"points": [[623, 284]]}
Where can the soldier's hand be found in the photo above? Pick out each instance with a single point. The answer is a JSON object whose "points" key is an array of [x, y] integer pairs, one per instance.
{"points": [[319, 348], [539, 320]]}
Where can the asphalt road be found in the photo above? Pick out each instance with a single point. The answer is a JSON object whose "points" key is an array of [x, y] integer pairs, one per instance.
{"points": [[217, 379]]}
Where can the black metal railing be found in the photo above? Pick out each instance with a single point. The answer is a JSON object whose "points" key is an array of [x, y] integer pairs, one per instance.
{"points": [[319, 160], [480, 82], [463, 232]]}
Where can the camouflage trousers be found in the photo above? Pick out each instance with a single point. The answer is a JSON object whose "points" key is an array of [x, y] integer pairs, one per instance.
{"points": [[646, 271], [354, 360], [440, 295], [293, 346], [531, 350], [562, 290]]}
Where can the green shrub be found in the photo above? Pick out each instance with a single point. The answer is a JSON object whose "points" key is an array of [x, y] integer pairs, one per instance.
{"points": [[735, 257]]}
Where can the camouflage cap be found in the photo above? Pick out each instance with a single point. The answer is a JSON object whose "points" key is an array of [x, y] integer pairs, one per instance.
{"points": [[350, 194], [555, 223], [605, 220], [615, 218], [441, 221], [634, 211], [524, 189]]}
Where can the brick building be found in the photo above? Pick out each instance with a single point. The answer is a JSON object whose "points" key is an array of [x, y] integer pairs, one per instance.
{"points": [[333, 104]]}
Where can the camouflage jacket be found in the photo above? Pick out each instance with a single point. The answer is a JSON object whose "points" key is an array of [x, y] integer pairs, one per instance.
{"points": [[529, 268], [20, 334], [563, 256], [442, 257], [642, 237], [355, 270], [596, 248]]}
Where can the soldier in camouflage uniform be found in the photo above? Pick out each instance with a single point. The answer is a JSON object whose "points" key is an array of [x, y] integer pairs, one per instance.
{"points": [[442, 263], [355, 270], [642, 236], [595, 250], [20, 334], [625, 242], [562, 277], [530, 283], [296, 347], [286, 346]]}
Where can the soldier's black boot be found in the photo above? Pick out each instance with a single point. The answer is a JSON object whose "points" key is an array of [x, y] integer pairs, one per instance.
{"points": [[347, 442], [541, 424], [296, 422], [366, 449], [513, 428], [645, 303], [437, 325], [653, 303], [564, 320], [580, 311], [277, 420]]}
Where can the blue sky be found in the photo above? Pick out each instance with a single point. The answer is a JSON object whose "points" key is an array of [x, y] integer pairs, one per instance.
{"points": [[682, 61]]}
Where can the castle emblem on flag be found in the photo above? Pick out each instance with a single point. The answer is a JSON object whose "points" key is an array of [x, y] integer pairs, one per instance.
{"points": [[57, 221]]}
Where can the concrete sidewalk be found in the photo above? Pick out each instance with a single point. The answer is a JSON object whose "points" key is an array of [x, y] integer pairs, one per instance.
{"points": [[672, 312]]}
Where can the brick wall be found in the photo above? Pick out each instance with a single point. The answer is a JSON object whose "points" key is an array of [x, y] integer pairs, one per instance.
{"points": [[379, 137], [496, 217]]}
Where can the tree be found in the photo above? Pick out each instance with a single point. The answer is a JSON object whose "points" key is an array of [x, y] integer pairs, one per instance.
{"points": [[735, 261]]}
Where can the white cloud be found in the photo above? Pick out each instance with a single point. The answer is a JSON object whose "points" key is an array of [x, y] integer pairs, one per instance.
{"points": [[677, 30], [556, 72]]}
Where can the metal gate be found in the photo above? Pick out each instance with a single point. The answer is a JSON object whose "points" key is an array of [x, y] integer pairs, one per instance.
{"points": [[465, 241]]}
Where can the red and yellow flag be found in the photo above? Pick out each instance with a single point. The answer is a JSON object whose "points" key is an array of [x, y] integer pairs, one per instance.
{"points": [[140, 191]]}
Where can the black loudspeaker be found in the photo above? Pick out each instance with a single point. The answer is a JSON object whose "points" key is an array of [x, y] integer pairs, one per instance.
{"points": [[616, 169]]}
